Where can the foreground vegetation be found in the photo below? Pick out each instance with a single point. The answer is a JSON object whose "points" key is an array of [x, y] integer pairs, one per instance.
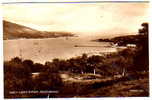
{"points": [[18, 73]]}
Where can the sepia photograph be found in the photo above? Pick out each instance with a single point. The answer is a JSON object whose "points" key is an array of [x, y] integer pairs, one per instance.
{"points": [[76, 49]]}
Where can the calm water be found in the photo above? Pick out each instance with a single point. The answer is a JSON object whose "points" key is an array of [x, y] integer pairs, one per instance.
{"points": [[41, 50]]}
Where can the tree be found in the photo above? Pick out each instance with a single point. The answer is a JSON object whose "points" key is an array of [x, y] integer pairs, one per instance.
{"points": [[28, 64], [141, 58], [48, 80], [16, 60], [144, 30], [16, 77]]}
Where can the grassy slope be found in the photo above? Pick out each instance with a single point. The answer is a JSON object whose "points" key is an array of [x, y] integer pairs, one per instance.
{"points": [[109, 87], [138, 87]]}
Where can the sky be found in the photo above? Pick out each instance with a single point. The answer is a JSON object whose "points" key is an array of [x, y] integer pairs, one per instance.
{"points": [[85, 19]]}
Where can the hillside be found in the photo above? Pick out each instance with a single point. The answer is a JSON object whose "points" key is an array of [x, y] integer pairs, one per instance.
{"points": [[14, 31], [128, 39]]}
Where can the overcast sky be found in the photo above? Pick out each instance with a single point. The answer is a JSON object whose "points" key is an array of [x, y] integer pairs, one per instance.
{"points": [[80, 18]]}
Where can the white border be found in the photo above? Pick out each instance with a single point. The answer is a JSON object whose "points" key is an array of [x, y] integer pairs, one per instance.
{"points": [[104, 98], [1, 57]]}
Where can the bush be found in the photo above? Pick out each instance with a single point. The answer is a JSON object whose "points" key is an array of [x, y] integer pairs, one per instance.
{"points": [[18, 77]]}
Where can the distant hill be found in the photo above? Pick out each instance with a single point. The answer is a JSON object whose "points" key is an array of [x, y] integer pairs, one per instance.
{"points": [[14, 31], [128, 39]]}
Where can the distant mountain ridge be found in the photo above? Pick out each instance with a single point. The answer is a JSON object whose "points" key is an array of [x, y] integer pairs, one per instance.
{"points": [[14, 31]]}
